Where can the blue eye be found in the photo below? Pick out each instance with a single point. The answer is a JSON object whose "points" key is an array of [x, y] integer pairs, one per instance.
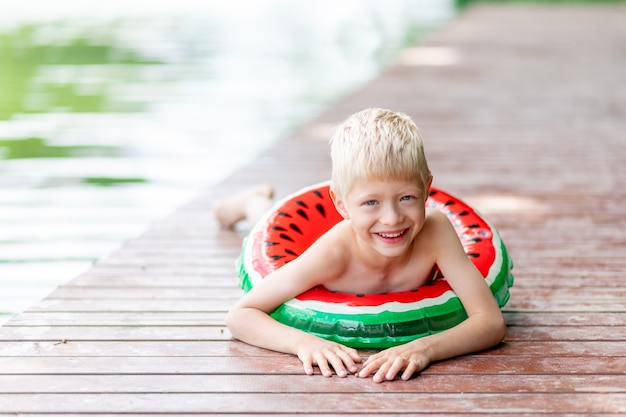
{"points": [[370, 202], [406, 197]]}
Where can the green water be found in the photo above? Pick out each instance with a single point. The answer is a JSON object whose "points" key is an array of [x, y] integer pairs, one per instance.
{"points": [[110, 120]]}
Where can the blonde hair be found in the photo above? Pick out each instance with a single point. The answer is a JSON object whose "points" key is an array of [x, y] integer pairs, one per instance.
{"points": [[377, 144]]}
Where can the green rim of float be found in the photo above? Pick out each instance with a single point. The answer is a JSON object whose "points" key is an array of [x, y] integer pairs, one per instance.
{"points": [[368, 320]]}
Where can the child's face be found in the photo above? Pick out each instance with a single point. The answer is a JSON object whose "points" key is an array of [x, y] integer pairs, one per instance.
{"points": [[386, 215]]}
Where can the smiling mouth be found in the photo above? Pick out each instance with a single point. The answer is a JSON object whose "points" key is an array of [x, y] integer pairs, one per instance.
{"points": [[392, 235]]}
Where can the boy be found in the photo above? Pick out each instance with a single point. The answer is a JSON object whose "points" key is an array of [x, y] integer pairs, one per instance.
{"points": [[387, 242]]}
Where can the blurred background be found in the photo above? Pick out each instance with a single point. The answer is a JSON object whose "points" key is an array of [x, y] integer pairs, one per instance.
{"points": [[114, 113]]}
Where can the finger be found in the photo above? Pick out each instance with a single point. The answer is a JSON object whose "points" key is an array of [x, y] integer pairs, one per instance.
{"points": [[368, 368], [354, 354], [347, 360], [307, 365], [397, 365], [322, 363], [379, 376], [338, 365], [409, 371]]}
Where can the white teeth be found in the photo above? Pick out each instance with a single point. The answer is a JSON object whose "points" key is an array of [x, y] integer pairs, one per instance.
{"points": [[391, 235]]}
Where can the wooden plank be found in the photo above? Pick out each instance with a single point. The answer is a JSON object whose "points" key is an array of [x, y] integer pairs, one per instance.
{"points": [[194, 332], [558, 280], [217, 318], [165, 348], [216, 279], [180, 333], [559, 305], [474, 383], [164, 269], [231, 348], [98, 318], [287, 364], [173, 262], [135, 305], [542, 318], [372, 403], [141, 293], [111, 333]]}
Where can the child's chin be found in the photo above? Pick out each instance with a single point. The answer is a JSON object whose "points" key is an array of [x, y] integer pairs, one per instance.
{"points": [[391, 251]]}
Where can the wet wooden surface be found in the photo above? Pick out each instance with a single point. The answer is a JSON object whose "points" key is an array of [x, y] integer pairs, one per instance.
{"points": [[523, 111]]}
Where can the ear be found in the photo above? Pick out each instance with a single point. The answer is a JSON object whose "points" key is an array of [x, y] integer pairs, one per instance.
{"points": [[430, 182], [339, 204]]}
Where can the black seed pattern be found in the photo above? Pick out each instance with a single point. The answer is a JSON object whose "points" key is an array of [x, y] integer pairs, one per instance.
{"points": [[279, 228], [318, 193], [301, 203], [290, 252], [463, 213], [295, 227], [286, 237], [277, 257], [283, 214], [473, 255], [268, 243], [321, 209], [302, 213], [449, 203]]}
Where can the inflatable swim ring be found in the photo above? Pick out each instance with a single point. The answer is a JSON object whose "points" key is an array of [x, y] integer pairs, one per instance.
{"points": [[368, 320]]}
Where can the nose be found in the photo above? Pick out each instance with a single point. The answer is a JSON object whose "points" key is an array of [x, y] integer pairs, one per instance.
{"points": [[391, 215]]}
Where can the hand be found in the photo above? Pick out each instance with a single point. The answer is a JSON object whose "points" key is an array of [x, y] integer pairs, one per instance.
{"points": [[387, 364], [326, 354]]}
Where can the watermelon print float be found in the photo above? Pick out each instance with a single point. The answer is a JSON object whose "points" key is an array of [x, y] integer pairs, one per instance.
{"points": [[368, 320]]}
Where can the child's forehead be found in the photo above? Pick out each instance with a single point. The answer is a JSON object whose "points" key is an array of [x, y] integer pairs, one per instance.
{"points": [[370, 185]]}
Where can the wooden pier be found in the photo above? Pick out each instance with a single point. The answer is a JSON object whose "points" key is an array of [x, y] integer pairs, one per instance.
{"points": [[523, 111]]}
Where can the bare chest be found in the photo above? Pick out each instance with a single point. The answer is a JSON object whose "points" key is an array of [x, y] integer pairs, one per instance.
{"points": [[360, 279]]}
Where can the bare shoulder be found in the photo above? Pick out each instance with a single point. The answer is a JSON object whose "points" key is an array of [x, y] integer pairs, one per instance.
{"points": [[437, 217], [437, 225], [328, 256]]}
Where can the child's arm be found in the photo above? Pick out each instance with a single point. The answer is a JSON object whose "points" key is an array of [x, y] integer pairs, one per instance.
{"points": [[484, 327], [250, 322]]}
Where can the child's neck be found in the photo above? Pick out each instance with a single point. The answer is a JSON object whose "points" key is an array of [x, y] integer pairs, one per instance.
{"points": [[382, 265]]}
